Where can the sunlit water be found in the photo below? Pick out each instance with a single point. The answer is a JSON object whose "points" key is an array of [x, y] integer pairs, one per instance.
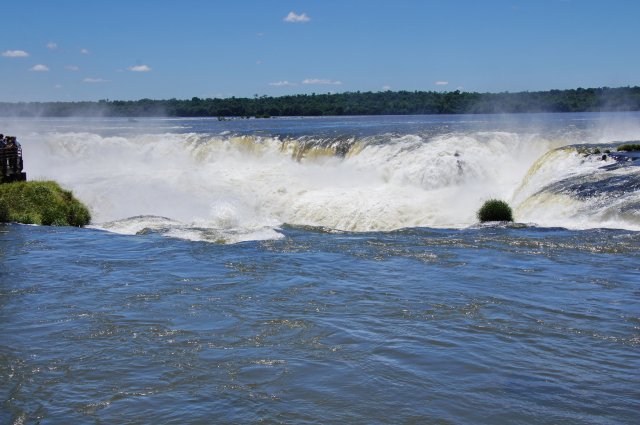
{"points": [[326, 271]]}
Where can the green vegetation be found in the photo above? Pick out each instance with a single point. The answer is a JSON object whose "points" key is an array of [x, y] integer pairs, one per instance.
{"points": [[354, 103], [632, 147], [41, 202], [4, 212], [495, 210]]}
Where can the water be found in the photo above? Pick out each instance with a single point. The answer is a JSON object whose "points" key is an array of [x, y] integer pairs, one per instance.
{"points": [[326, 271]]}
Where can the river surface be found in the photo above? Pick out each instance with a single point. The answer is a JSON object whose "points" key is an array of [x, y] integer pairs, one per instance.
{"points": [[326, 270]]}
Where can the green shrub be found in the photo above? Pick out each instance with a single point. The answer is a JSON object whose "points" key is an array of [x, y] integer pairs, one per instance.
{"points": [[632, 147], [41, 202], [495, 210]]}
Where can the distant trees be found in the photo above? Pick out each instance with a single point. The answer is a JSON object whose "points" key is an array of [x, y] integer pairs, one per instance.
{"points": [[349, 103]]}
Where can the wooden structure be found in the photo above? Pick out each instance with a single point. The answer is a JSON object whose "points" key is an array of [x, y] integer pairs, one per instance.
{"points": [[11, 160]]}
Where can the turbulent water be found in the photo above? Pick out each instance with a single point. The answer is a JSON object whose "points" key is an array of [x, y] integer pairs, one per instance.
{"points": [[208, 180], [327, 270]]}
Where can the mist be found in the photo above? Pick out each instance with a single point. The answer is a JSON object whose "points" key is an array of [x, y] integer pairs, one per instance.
{"points": [[170, 176]]}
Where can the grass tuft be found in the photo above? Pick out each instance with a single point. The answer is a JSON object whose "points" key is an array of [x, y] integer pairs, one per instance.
{"points": [[495, 210], [632, 147], [41, 202]]}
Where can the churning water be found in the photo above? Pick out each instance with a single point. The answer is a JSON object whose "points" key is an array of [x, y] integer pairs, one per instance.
{"points": [[326, 270]]}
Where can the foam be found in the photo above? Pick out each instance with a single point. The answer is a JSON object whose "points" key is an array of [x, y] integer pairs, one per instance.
{"points": [[234, 188]]}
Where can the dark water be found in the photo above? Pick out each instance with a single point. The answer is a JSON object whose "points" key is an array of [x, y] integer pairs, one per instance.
{"points": [[487, 325]]}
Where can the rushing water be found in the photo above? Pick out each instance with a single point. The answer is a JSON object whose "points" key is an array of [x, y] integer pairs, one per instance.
{"points": [[352, 284]]}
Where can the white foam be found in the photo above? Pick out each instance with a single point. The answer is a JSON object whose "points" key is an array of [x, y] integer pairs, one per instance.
{"points": [[220, 187], [535, 202]]}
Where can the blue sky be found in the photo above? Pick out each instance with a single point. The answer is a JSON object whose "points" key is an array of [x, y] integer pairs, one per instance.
{"points": [[122, 50]]}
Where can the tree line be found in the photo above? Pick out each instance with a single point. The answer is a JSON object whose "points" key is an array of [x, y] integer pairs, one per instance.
{"points": [[349, 103]]}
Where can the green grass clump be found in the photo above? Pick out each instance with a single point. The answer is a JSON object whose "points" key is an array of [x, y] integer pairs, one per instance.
{"points": [[632, 147], [495, 210], [41, 202]]}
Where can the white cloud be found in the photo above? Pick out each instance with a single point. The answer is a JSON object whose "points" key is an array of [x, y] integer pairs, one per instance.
{"points": [[386, 88], [318, 81], [84, 51], [296, 19], [139, 68], [94, 80], [15, 54], [72, 68], [57, 86], [39, 68], [52, 46], [284, 83], [441, 83]]}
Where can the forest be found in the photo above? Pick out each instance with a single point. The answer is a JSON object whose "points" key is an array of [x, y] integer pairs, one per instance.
{"points": [[349, 103]]}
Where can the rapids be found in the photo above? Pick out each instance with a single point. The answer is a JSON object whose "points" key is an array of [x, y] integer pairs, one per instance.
{"points": [[229, 182]]}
